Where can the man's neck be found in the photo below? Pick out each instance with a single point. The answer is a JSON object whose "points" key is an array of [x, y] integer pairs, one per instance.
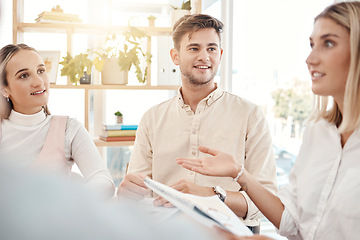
{"points": [[192, 95]]}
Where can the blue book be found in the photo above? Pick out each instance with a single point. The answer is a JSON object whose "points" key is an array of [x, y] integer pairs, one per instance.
{"points": [[120, 127]]}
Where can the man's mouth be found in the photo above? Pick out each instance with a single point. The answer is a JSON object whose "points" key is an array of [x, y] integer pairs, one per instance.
{"points": [[202, 67]]}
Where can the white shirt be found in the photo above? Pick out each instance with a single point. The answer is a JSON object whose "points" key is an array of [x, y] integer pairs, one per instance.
{"points": [[222, 121], [323, 195], [23, 137]]}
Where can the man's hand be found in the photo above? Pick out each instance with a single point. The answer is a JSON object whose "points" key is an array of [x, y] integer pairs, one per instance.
{"points": [[185, 187], [133, 187]]}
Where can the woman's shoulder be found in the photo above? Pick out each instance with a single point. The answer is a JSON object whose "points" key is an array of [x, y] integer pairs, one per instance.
{"points": [[320, 129], [320, 124], [72, 124]]}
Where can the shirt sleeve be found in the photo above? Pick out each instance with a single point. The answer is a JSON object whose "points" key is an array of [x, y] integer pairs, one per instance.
{"points": [[142, 154], [84, 153], [287, 226], [259, 158], [288, 196]]}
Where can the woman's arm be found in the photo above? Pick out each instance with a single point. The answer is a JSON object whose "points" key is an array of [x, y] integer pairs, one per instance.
{"points": [[83, 151], [224, 165]]}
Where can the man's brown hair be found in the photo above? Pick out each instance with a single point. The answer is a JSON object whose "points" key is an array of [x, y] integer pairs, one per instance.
{"points": [[192, 23]]}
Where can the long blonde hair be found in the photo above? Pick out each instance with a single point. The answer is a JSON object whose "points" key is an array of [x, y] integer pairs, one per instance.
{"points": [[346, 14], [6, 53]]}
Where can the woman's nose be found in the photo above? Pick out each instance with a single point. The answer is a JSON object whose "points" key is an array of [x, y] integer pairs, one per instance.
{"points": [[313, 58], [37, 81]]}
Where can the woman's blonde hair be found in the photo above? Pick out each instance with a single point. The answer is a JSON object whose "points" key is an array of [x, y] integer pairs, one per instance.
{"points": [[6, 53], [346, 14]]}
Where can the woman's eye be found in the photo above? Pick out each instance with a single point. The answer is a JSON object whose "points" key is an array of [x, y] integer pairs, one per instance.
{"points": [[41, 70], [311, 45], [329, 43], [25, 75]]}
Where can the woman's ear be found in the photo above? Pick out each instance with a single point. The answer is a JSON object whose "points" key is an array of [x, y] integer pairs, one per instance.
{"points": [[4, 92]]}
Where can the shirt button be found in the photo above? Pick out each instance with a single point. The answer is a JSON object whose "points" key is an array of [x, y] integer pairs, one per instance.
{"points": [[193, 132], [194, 153], [191, 173]]}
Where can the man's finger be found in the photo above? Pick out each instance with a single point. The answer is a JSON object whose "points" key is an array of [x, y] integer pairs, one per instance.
{"points": [[160, 201], [138, 179]]}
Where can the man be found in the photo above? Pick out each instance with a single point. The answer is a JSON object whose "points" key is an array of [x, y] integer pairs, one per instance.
{"points": [[201, 114]]}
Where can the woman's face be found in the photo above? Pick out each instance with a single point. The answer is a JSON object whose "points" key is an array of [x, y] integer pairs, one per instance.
{"points": [[329, 60], [28, 83]]}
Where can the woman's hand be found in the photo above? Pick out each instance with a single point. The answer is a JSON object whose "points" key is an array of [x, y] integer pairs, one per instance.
{"points": [[220, 164]]}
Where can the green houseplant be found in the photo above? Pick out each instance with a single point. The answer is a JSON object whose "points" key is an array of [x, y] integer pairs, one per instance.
{"points": [[74, 67], [128, 53], [186, 5], [151, 20], [119, 117], [180, 11]]}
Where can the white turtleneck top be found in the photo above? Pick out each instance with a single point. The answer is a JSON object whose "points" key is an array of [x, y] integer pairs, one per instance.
{"points": [[23, 136]]}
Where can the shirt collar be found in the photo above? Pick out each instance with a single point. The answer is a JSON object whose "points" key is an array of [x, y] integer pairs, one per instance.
{"points": [[27, 120], [210, 99]]}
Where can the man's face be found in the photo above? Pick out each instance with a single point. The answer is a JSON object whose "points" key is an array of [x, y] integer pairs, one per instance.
{"points": [[198, 57]]}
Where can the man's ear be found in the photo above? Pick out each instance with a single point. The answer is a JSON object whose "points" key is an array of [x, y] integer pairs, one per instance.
{"points": [[174, 56]]}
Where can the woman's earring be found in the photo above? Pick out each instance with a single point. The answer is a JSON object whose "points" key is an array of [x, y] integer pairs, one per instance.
{"points": [[8, 99]]}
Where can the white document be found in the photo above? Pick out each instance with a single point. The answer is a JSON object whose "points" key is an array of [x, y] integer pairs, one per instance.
{"points": [[159, 213], [207, 210]]}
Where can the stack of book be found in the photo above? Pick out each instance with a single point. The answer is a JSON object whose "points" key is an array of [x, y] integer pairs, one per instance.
{"points": [[118, 132], [57, 17]]}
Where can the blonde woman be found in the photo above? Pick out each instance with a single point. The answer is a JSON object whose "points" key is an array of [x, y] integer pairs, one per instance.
{"points": [[321, 200], [30, 137]]}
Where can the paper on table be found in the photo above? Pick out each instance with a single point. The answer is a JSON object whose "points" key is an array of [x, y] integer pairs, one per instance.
{"points": [[159, 213], [207, 210]]}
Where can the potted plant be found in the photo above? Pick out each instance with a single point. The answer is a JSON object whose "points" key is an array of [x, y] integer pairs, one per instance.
{"points": [[118, 117], [115, 61], [75, 67], [180, 11], [151, 20]]}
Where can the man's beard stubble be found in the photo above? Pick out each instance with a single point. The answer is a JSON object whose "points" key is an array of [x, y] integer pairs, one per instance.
{"points": [[191, 79]]}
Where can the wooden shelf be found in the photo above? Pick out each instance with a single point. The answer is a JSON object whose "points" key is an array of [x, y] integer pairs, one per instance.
{"points": [[101, 143], [124, 87], [87, 28]]}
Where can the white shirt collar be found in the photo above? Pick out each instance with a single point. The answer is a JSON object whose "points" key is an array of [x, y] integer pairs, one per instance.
{"points": [[212, 97], [27, 120]]}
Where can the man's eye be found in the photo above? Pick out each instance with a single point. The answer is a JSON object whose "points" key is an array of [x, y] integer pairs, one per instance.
{"points": [[193, 49], [311, 45], [212, 49]]}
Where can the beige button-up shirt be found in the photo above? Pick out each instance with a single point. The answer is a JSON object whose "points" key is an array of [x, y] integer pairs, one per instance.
{"points": [[222, 121]]}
